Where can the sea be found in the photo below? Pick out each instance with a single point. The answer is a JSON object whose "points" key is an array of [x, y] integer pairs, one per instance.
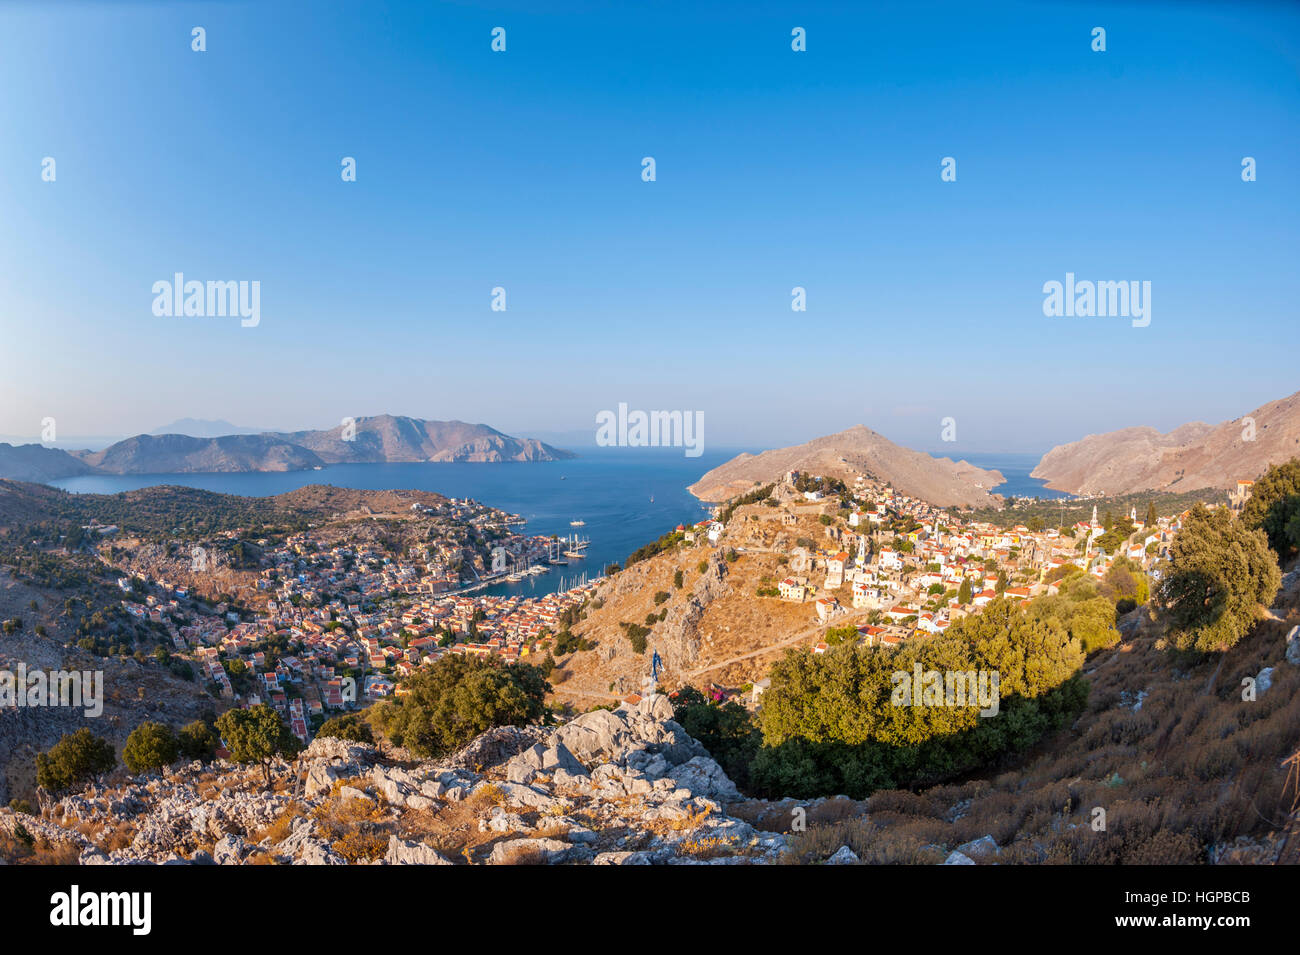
{"points": [[1015, 469], [625, 497]]}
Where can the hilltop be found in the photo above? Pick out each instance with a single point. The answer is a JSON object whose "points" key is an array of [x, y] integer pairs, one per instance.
{"points": [[859, 451], [1195, 455]]}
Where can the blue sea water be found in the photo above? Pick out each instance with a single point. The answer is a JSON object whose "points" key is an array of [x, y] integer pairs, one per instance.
{"points": [[1015, 468], [610, 489]]}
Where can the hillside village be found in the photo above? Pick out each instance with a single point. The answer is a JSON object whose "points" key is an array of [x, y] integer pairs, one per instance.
{"points": [[886, 565], [337, 621], [308, 651], [812, 561]]}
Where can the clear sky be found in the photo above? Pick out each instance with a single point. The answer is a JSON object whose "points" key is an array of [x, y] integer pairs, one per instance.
{"points": [[775, 169]]}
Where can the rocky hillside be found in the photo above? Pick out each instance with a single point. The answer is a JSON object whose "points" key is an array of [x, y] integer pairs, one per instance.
{"points": [[711, 628], [628, 787], [34, 462], [1185, 769], [857, 451], [393, 439], [384, 439], [181, 454], [1193, 456], [132, 692]]}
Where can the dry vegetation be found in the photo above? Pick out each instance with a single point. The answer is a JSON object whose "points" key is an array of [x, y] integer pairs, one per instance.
{"points": [[735, 625], [1195, 767]]}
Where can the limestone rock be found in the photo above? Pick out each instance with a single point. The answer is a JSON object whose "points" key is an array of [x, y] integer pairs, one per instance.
{"points": [[401, 852]]}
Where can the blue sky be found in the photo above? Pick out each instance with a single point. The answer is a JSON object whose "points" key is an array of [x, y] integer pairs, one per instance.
{"points": [[775, 169]]}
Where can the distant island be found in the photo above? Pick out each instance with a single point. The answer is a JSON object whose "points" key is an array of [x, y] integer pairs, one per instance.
{"points": [[382, 439], [205, 428]]}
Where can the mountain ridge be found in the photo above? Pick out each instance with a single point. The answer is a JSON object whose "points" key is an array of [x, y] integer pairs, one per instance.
{"points": [[1193, 455], [379, 439]]}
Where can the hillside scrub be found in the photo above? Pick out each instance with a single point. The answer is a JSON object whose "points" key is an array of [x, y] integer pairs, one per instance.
{"points": [[832, 722], [448, 704], [1217, 580], [1274, 507]]}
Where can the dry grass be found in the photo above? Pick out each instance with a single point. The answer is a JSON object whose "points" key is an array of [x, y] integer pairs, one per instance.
{"points": [[551, 831], [356, 829], [281, 826], [523, 855], [17, 850], [689, 822], [489, 794], [451, 830], [1194, 767], [120, 837], [707, 848]]}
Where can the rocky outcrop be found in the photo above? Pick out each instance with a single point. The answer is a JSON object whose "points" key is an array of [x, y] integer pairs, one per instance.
{"points": [[678, 638], [621, 787]]}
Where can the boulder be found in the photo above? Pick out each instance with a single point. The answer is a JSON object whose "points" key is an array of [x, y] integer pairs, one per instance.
{"points": [[956, 858], [702, 776], [401, 852], [1293, 646], [655, 707], [538, 852], [598, 736], [351, 792], [985, 847], [540, 759], [496, 746], [321, 775], [229, 850], [622, 858]]}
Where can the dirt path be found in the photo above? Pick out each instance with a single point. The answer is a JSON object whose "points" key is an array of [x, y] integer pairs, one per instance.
{"points": [[853, 619]]}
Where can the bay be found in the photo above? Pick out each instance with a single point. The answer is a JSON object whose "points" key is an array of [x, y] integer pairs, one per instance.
{"points": [[1015, 469], [609, 489]]}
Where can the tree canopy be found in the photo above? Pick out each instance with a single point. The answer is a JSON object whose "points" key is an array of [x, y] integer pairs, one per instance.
{"points": [[448, 704], [1219, 576], [75, 760], [256, 735], [1274, 507], [831, 723], [150, 747]]}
